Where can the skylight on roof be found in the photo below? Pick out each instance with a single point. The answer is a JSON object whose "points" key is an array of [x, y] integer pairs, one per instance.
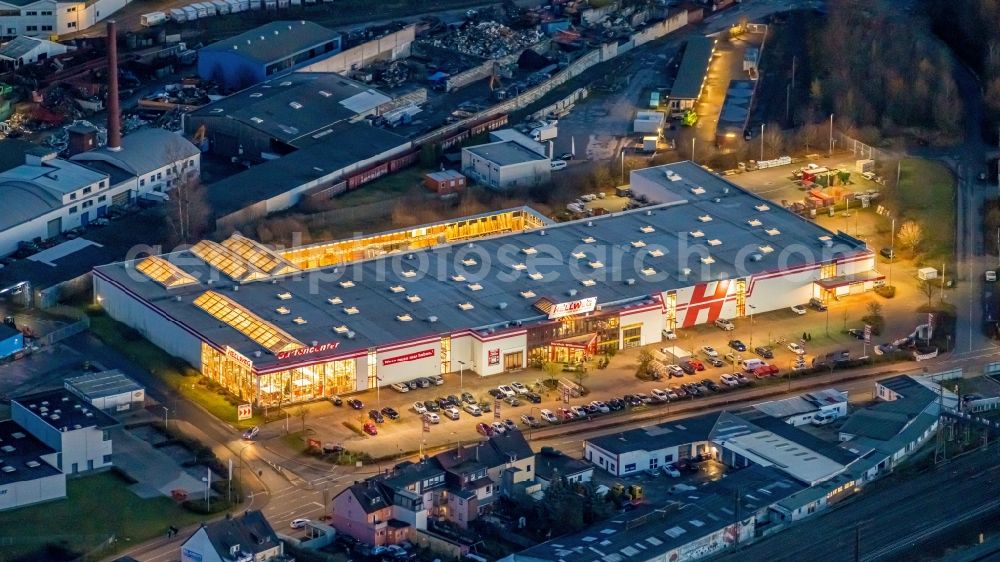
{"points": [[282, 310], [349, 310], [714, 242], [762, 207], [284, 296], [588, 282], [705, 218], [707, 260], [257, 120], [765, 249], [519, 267], [528, 294], [300, 320], [334, 300], [413, 298], [404, 317], [466, 306], [753, 222], [458, 278], [294, 105], [347, 284], [397, 289], [638, 244], [536, 276], [588, 240], [772, 232], [529, 250], [656, 253], [409, 273], [596, 264], [475, 287], [469, 262], [579, 255], [696, 233], [325, 94], [647, 229]]}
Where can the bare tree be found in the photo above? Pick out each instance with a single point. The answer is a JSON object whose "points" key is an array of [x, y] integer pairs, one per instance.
{"points": [[187, 211], [910, 235]]}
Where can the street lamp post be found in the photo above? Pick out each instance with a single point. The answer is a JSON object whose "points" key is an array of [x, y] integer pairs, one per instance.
{"points": [[623, 168], [892, 248], [461, 376], [692, 151], [762, 141], [831, 134], [752, 308], [166, 418]]}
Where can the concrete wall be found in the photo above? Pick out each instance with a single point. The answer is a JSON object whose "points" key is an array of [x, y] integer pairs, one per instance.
{"points": [[391, 47], [163, 333], [85, 449], [20, 494], [652, 324], [498, 346]]}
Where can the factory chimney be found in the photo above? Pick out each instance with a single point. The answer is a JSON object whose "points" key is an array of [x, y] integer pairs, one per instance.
{"points": [[114, 112]]}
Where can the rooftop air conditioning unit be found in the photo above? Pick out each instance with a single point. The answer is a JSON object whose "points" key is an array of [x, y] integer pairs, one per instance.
{"points": [[502, 305], [432, 318], [572, 292], [630, 281]]}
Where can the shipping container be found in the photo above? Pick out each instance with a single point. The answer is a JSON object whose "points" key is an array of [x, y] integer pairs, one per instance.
{"points": [[221, 7], [151, 19], [178, 15], [191, 12]]}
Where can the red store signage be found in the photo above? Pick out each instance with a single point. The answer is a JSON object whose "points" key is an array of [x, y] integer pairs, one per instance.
{"points": [[422, 354], [308, 350]]}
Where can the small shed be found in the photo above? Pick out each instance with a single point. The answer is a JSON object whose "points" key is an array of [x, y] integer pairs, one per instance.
{"points": [[109, 391], [11, 341], [29, 50], [445, 181], [927, 273]]}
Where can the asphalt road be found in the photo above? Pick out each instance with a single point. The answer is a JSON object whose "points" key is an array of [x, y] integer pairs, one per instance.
{"points": [[889, 518]]}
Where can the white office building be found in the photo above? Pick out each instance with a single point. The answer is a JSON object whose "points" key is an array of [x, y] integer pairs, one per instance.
{"points": [[77, 432]]}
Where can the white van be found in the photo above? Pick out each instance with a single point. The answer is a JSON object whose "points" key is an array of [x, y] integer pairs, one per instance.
{"points": [[751, 364], [824, 418]]}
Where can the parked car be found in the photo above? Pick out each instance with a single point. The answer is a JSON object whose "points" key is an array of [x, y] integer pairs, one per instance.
{"points": [[455, 400], [436, 380], [579, 411], [510, 425], [468, 398], [506, 390], [817, 304], [519, 388], [424, 382], [413, 384], [473, 410], [687, 367], [565, 414], [530, 421], [497, 393], [729, 380], [765, 371], [671, 471], [452, 413], [484, 429], [431, 417], [798, 309], [616, 404], [251, 433], [443, 402], [419, 407], [376, 416], [698, 365], [548, 416], [709, 351], [764, 351], [533, 397], [600, 406], [299, 523], [692, 389], [709, 384], [824, 418], [337, 401], [715, 361], [390, 413], [498, 427], [738, 345], [991, 275], [558, 165], [798, 349], [512, 400], [356, 404], [669, 334], [431, 406], [370, 428], [400, 387], [887, 253], [725, 324], [742, 378], [733, 357], [675, 371], [659, 394]]}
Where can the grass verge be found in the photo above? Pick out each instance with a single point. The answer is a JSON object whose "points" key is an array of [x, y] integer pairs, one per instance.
{"points": [[926, 194], [96, 507]]}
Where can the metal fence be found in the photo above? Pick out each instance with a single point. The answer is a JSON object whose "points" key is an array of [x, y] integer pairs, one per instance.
{"points": [[65, 332], [860, 150]]}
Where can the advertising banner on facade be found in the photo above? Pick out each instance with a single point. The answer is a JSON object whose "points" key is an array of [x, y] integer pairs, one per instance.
{"points": [[422, 354], [234, 355], [582, 306]]}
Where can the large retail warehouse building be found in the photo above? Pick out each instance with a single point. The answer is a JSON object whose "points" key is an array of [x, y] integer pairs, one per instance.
{"points": [[483, 293]]}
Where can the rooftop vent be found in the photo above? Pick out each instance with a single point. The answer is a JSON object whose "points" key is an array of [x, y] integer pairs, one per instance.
{"points": [[300, 320], [571, 292], [256, 95], [528, 294], [541, 232], [648, 271], [466, 306], [501, 305], [397, 289], [257, 120], [529, 250], [351, 310], [590, 223], [756, 257], [762, 207], [630, 281], [469, 262], [33, 464], [772, 232], [638, 244], [282, 310], [649, 213], [647, 229], [334, 300], [475, 287], [350, 335], [588, 282], [286, 82], [673, 176], [409, 273], [519, 267], [698, 190], [596, 264], [536, 276], [656, 253], [432, 319], [753, 222], [686, 271], [458, 278], [325, 94], [294, 105], [413, 298], [705, 218], [714, 242], [347, 284], [342, 329], [284, 296], [589, 240], [404, 317], [707, 260]]}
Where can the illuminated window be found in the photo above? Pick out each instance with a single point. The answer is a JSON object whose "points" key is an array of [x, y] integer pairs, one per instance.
{"points": [[259, 256], [247, 323], [164, 272], [226, 261]]}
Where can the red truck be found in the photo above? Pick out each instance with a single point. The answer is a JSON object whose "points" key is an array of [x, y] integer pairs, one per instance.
{"points": [[765, 371]]}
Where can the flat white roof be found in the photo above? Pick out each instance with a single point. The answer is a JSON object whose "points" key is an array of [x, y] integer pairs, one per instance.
{"points": [[769, 449]]}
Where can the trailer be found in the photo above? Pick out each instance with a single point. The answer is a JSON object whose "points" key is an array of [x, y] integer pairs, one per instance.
{"points": [[256, 4], [677, 353], [191, 13], [178, 15], [201, 9], [221, 7], [152, 19]]}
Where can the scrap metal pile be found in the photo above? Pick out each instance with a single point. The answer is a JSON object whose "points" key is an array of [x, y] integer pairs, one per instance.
{"points": [[488, 39]]}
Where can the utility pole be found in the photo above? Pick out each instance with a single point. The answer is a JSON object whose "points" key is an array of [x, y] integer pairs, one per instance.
{"points": [[892, 248], [762, 141], [692, 152], [831, 134], [788, 99], [857, 543]]}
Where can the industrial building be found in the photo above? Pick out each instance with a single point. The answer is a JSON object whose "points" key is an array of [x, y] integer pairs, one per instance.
{"points": [[690, 80], [28, 473], [48, 195], [109, 391], [78, 432], [45, 18], [264, 52], [11, 341], [486, 292], [505, 165], [803, 409], [28, 50]]}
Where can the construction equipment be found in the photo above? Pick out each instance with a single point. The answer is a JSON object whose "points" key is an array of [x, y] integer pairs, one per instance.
{"points": [[495, 81]]}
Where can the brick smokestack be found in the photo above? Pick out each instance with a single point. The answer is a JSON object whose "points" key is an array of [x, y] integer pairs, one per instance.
{"points": [[114, 112]]}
